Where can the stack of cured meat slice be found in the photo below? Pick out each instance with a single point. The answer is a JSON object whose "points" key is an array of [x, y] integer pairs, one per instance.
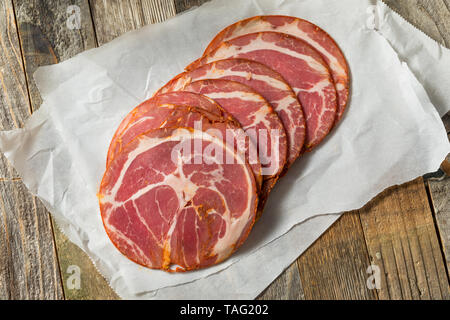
{"points": [[189, 171]]}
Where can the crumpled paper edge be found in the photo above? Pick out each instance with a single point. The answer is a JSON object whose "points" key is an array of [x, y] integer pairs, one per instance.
{"points": [[382, 9]]}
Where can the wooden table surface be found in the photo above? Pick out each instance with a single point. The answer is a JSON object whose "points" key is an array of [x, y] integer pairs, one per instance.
{"points": [[404, 233]]}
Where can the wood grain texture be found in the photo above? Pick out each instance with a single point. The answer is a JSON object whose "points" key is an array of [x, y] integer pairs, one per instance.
{"points": [[286, 287], [440, 195], [433, 18], [183, 5], [113, 18], [93, 286], [401, 240], [28, 262], [334, 267], [46, 39]]}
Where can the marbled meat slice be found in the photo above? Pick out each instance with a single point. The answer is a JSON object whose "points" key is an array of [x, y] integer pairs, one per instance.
{"points": [[300, 65], [305, 30], [265, 81], [173, 116], [144, 115], [256, 117], [163, 211]]}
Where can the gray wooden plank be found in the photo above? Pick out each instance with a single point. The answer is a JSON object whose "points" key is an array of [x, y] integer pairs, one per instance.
{"points": [[92, 284], [13, 93], [28, 262], [402, 241], [113, 18]]}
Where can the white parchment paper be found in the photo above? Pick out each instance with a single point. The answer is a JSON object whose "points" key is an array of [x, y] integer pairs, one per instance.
{"points": [[391, 134]]}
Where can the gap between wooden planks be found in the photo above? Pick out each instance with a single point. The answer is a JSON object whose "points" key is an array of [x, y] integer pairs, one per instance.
{"points": [[335, 267]]}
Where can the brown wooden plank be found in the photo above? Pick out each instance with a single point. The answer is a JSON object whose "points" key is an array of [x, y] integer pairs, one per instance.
{"points": [[286, 287], [113, 18], [335, 266], [46, 39], [402, 241], [440, 191], [29, 267], [28, 262]]}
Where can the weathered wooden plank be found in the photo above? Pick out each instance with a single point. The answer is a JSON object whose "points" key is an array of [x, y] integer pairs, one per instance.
{"points": [[183, 5], [440, 191], [286, 287], [141, 17], [335, 266], [401, 239], [28, 262], [113, 18], [47, 39]]}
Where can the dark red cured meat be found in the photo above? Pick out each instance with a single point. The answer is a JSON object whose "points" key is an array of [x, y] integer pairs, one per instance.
{"points": [[140, 116], [300, 65], [172, 116], [302, 29], [256, 117], [263, 80], [175, 215]]}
